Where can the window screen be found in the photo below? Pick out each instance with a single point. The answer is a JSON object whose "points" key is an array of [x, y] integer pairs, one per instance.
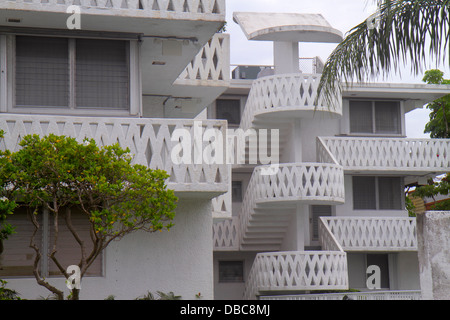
{"points": [[42, 72], [390, 192], [231, 271], [229, 110], [361, 116], [387, 117], [102, 74], [364, 193], [236, 191], [17, 258], [68, 249]]}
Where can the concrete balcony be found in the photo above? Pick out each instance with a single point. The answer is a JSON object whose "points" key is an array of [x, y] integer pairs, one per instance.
{"points": [[282, 272], [205, 78], [370, 295], [367, 234], [386, 155], [271, 199], [120, 10], [149, 140], [285, 96]]}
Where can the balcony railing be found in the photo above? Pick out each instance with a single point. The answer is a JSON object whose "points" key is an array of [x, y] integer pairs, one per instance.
{"points": [[370, 233], [288, 93], [165, 9], [149, 140], [297, 271], [386, 154], [226, 235], [292, 183], [309, 182], [373, 295], [210, 67]]}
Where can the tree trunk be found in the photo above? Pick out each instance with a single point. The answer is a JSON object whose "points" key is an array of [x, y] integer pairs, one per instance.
{"points": [[75, 294]]}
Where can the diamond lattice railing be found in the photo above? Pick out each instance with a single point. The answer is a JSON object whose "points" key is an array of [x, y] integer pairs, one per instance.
{"points": [[285, 92], [297, 271], [372, 233], [399, 154], [171, 9], [211, 66], [149, 140]]}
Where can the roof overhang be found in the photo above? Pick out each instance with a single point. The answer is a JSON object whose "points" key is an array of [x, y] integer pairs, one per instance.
{"points": [[291, 27]]}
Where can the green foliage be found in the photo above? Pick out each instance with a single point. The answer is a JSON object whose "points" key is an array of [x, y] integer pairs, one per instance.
{"points": [[118, 197], [439, 124], [57, 171], [434, 189], [6, 205], [7, 294], [159, 296], [409, 31], [410, 207]]}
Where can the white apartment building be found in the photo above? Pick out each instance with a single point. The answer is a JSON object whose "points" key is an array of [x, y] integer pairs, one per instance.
{"points": [[134, 72], [137, 70], [335, 207]]}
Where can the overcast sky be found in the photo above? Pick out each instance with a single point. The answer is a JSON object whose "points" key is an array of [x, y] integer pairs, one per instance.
{"points": [[341, 14]]}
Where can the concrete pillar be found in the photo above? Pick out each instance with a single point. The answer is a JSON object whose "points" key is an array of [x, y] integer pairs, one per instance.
{"points": [[433, 240], [286, 57], [302, 223]]}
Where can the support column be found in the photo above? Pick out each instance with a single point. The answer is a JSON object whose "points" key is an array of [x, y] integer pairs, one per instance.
{"points": [[302, 226], [286, 57]]}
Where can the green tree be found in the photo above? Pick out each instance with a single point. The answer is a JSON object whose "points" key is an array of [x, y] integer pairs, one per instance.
{"points": [[7, 206], [438, 126], [57, 174], [400, 30]]}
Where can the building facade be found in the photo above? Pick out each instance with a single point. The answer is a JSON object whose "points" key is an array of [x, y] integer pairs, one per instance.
{"points": [[333, 215], [118, 71], [310, 212]]}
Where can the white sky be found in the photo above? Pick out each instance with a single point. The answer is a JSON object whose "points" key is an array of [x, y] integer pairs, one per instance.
{"points": [[342, 15]]}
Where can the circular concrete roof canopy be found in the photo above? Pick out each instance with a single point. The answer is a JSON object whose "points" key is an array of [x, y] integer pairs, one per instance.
{"points": [[290, 27]]}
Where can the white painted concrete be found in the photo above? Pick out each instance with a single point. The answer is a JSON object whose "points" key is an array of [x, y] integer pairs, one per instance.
{"points": [[179, 260]]}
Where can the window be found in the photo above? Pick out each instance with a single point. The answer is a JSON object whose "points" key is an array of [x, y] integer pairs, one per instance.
{"points": [[71, 73], [236, 191], [17, 258], [375, 117], [377, 193], [231, 271], [318, 211], [230, 110]]}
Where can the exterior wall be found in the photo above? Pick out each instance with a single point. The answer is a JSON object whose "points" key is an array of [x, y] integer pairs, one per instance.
{"points": [[320, 125], [231, 291], [179, 261], [403, 271]]}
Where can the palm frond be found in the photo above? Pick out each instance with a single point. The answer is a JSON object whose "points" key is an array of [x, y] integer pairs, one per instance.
{"points": [[407, 30]]}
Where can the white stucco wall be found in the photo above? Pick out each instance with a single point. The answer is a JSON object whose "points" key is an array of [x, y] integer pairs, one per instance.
{"points": [[179, 260], [235, 290], [403, 271]]}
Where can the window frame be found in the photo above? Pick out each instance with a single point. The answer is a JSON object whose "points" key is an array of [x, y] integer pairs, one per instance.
{"points": [[346, 124], [7, 83], [212, 109], [221, 280], [45, 245], [377, 194]]}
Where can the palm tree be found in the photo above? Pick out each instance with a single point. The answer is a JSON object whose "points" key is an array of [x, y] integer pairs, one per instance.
{"points": [[400, 30]]}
